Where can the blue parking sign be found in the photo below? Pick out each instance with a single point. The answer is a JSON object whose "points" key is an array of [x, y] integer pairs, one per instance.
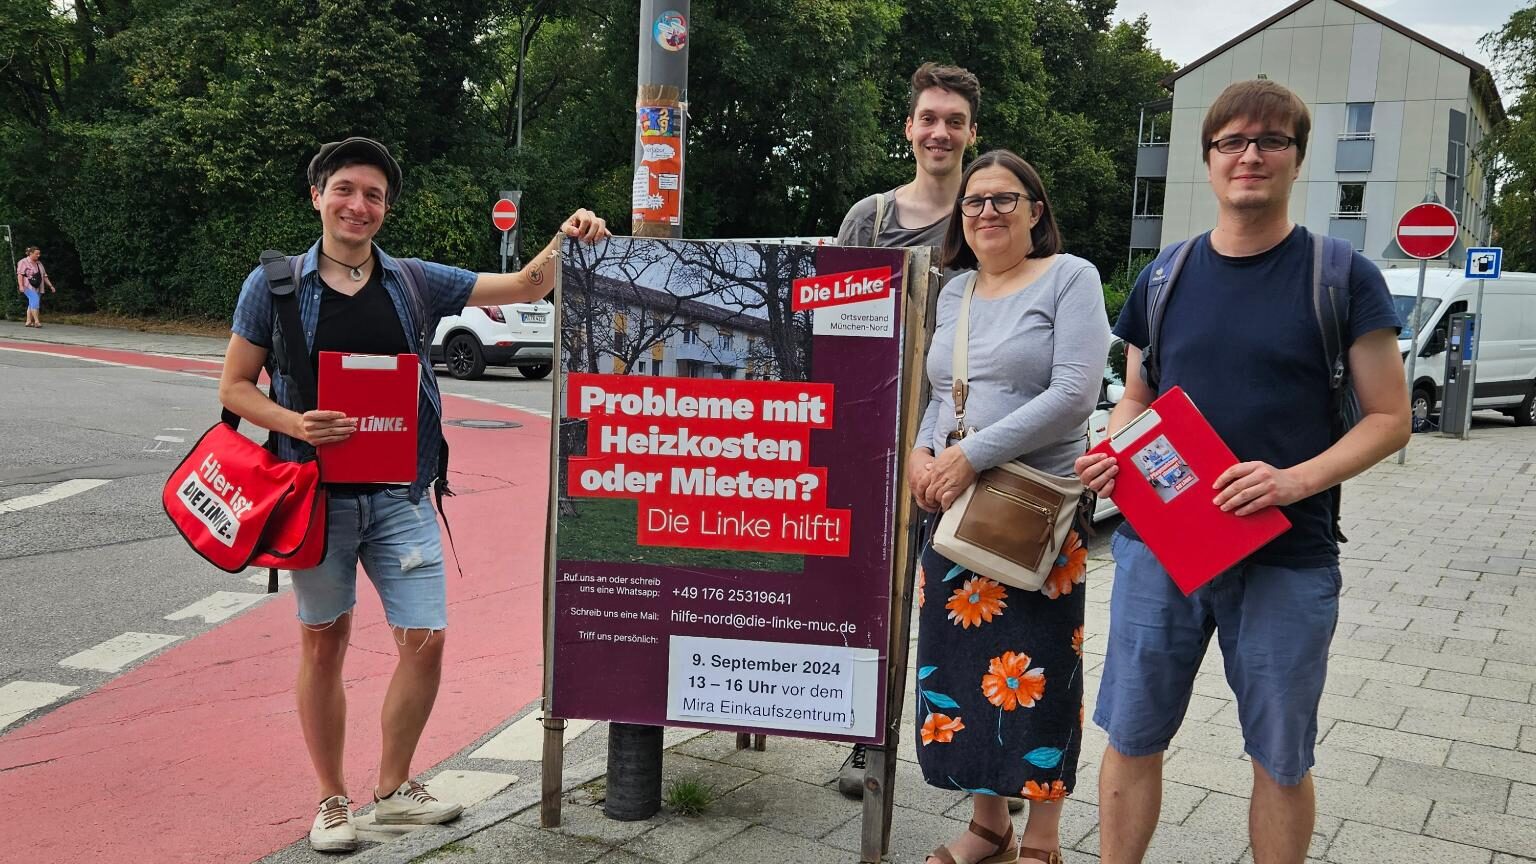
{"points": [[1485, 262]]}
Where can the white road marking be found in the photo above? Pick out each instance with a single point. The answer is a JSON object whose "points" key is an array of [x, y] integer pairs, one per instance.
{"points": [[217, 606], [284, 578], [20, 698], [56, 492], [171, 439], [177, 429], [460, 787], [523, 741], [117, 652]]}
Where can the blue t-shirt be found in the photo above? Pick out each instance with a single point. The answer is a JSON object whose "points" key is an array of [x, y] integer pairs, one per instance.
{"points": [[1242, 339]]}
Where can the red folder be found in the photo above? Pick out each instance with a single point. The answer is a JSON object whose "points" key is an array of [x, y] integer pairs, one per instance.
{"points": [[380, 392], [1169, 458]]}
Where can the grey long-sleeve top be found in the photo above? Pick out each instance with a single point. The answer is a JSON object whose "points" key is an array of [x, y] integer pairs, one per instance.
{"points": [[1036, 361]]}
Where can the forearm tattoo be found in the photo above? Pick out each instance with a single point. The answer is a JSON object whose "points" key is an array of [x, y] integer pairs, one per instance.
{"points": [[536, 272]]}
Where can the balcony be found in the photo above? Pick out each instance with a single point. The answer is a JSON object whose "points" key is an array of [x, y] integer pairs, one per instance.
{"points": [[1348, 226], [1152, 160], [1146, 232], [703, 352], [1355, 154]]}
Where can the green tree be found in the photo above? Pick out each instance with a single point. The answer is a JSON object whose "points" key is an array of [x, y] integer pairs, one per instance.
{"points": [[1510, 149]]}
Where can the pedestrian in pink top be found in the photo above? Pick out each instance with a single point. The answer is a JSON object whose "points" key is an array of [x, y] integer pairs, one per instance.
{"points": [[30, 280]]}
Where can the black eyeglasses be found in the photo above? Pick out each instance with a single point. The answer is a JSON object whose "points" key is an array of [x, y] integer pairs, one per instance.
{"points": [[1235, 144], [1003, 203]]}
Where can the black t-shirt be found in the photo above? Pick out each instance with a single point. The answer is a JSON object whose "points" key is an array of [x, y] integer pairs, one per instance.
{"points": [[1241, 337], [364, 323]]}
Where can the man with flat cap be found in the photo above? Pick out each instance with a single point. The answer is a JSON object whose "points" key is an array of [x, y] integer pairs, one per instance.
{"points": [[352, 297]]}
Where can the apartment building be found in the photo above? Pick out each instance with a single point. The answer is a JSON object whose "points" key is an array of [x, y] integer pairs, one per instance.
{"points": [[1395, 117]]}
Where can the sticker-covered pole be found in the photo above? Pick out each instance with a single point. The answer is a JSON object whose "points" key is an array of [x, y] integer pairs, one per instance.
{"points": [[661, 119], [661, 114]]}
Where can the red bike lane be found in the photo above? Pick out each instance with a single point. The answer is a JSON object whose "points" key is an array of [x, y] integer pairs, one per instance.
{"points": [[195, 755]]}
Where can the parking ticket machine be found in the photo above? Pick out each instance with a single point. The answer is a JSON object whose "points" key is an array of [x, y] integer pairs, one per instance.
{"points": [[1456, 402]]}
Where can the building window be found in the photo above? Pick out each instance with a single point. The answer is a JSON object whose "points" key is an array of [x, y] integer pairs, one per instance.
{"points": [[1351, 201], [691, 335], [1357, 120], [1150, 193], [725, 340], [1456, 165]]}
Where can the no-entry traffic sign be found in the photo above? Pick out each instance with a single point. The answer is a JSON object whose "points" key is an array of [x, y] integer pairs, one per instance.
{"points": [[1427, 231], [504, 215]]}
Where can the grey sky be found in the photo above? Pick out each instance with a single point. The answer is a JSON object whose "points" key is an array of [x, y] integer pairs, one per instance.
{"points": [[1184, 30]]}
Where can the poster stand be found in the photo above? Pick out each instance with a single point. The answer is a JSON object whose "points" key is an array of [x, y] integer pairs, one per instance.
{"points": [[919, 307]]}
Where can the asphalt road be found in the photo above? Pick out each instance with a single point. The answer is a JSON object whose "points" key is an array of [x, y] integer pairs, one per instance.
{"points": [[81, 570]]}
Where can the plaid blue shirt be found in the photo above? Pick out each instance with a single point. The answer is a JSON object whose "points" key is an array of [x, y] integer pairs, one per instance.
{"points": [[445, 293]]}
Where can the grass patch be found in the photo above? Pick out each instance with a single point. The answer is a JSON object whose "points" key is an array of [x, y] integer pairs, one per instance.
{"points": [[604, 530], [689, 797], [446, 851]]}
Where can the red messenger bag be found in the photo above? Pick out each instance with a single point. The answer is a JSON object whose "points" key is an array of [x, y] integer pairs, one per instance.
{"points": [[237, 503]]}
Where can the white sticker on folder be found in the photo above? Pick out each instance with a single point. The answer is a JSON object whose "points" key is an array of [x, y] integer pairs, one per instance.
{"points": [[387, 362], [1132, 431]]}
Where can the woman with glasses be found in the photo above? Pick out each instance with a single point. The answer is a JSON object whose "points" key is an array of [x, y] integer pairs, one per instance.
{"points": [[1000, 669]]}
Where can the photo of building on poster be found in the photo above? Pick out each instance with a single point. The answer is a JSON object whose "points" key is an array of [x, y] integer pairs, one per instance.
{"points": [[703, 312], [725, 489]]}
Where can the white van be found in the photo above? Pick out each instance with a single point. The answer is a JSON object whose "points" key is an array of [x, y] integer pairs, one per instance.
{"points": [[1506, 362]]}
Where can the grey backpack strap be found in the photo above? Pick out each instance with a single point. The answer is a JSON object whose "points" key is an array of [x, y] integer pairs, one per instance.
{"points": [[880, 205], [416, 287], [1164, 271]]}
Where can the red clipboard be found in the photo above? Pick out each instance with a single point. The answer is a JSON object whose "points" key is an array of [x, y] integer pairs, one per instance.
{"points": [[380, 392], [1169, 457]]}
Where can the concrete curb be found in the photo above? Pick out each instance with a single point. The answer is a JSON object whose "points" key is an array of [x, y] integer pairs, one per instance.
{"points": [[504, 806]]}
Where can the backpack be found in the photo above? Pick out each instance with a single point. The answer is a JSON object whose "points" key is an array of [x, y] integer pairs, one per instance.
{"points": [[1331, 262], [415, 277]]}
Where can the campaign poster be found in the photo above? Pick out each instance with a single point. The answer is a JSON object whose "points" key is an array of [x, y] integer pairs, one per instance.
{"points": [[725, 485]]}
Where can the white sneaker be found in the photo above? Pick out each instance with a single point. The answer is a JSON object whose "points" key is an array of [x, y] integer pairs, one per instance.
{"points": [[333, 831], [412, 804]]}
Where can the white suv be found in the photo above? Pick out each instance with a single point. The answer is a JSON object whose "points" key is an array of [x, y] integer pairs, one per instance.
{"points": [[516, 334]]}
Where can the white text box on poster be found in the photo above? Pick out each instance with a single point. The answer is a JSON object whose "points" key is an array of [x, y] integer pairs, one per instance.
{"points": [[876, 318], [779, 685]]}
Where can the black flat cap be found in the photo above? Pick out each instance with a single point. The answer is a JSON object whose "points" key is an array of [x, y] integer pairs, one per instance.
{"points": [[364, 150]]}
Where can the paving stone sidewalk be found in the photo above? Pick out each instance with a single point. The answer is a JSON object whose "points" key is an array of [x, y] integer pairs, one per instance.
{"points": [[1427, 737]]}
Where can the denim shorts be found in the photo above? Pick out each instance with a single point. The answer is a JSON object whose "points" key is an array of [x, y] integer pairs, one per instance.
{"points": [[1274, 625], [400, 549]]}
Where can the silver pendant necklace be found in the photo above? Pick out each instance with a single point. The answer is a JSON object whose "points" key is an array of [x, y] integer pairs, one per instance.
{"points": [[355, 273]]}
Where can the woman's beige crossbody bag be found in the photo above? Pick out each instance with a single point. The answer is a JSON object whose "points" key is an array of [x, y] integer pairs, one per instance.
{"points": [[1010, 525]]}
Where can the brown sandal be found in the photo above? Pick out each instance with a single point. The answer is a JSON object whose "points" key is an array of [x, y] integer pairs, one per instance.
{"points": [[1042, 855], [1005, 851]]}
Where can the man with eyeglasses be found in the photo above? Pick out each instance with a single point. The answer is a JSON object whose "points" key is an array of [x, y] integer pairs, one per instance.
{"points": [[1239, 333], [941, 124]]}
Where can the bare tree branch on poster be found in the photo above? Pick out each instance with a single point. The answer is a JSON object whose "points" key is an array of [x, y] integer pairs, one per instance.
{"points": [[758, 281]]}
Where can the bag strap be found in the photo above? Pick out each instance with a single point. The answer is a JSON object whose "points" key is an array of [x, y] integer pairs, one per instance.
{"points": [[415, 281], [1165, 269], [1332, 260], [960, 387], [283, 273], [880, 204]]}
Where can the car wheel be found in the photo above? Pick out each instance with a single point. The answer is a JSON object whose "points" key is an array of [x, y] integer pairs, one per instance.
{"points": [[463, 357], [1525, 415], [534, 373], [1422, 403]]}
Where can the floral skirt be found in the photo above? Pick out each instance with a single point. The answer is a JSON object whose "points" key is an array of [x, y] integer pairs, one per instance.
{"points": [[1000, 678]]}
